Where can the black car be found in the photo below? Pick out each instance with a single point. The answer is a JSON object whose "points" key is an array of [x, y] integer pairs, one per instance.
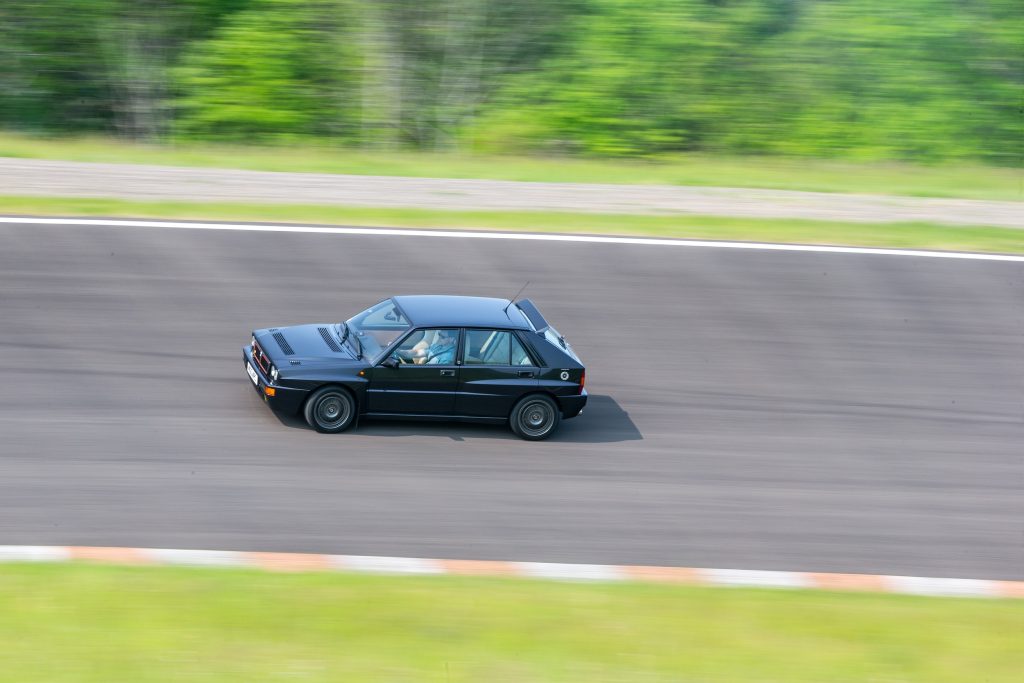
{"points": [[462, 358]]}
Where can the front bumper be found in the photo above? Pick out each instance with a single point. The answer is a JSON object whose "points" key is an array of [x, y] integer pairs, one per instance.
{"points": [[572, 405], [284, 399]]}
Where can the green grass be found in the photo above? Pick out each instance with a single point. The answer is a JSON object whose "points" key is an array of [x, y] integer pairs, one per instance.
{"points": [[896, 235], [959, 180], [91, 623]]}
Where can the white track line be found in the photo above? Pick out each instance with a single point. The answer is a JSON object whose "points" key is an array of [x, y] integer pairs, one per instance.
{"points": [[570, 572], [385, 565], [754, 577], [475, 234], [34, 553]]}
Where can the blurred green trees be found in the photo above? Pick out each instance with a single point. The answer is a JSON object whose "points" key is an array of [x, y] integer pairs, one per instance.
{"points": [[277, 69], [872, 79]]}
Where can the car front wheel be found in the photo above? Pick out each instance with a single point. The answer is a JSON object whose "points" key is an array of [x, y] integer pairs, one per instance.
{"points": [[535, 417], [330, 410]]}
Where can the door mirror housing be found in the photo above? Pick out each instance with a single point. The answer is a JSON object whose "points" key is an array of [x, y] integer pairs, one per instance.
{"points": [[390, 362]]}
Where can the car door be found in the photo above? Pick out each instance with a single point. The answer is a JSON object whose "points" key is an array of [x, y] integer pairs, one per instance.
{"points": [[496, 371], [411, 388]]}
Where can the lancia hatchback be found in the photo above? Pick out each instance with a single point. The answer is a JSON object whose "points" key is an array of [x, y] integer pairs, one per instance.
{"points": [[459, 358]]}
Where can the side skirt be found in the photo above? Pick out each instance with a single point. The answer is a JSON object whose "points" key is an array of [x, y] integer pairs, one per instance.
{"points": [[435, 418]]}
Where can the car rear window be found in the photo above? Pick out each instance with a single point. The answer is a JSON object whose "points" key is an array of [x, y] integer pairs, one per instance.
{"points": [[556, 339]]}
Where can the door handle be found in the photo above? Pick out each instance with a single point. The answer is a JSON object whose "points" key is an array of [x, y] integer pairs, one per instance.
{"points": [[447, 373], [526, 373]]}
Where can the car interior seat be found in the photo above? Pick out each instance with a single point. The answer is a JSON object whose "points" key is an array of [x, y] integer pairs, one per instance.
{"points": [[495, 350]]}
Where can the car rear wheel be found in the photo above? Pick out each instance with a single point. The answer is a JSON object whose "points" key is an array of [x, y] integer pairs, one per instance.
{"points": [[330, 410], [535, 417]]}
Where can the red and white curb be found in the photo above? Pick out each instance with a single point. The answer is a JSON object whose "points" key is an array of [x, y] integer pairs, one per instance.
{"points": [[305, 562]]}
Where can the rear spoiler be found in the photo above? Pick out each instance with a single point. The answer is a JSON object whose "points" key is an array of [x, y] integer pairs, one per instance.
{"points": [[533, 315]]}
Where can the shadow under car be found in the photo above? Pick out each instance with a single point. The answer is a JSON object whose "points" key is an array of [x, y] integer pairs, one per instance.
{"points": [[602, 421]]}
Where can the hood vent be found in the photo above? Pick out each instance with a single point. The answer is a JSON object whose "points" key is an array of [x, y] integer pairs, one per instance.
{"points": [[329, 340], [283, 343]]}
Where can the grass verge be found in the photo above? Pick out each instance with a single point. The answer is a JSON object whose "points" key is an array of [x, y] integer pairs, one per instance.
{"points": [[93, 623], [960, 180], [894, 235]]}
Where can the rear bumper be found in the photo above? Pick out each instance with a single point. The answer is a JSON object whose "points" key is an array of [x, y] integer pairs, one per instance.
{"points": [[284, 399], [572, 405]]}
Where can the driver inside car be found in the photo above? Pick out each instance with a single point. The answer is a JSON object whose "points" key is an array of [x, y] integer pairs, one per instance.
{"points": [[441, 352]]}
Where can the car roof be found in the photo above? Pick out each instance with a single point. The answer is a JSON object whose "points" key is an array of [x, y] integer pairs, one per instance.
{"points": [[460, 311]]}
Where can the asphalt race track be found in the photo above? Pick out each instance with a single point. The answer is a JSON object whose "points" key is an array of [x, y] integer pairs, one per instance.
{"points": [[749, 409]]}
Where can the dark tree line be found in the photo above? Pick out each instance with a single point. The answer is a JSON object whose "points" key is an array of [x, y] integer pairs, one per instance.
{"points": [[914, 79]]}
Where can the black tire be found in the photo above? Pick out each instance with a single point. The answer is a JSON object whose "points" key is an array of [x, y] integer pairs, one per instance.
{"points": [[330, 410], [535, 417]]}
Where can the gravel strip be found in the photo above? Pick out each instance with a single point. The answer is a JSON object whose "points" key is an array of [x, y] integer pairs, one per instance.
{"points": [[41, 178]]}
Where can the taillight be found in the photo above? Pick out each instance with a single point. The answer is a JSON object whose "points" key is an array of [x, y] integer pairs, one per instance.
{"points": [[583, 380]]}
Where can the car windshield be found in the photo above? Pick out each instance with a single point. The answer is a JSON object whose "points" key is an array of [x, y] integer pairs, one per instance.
{"points": [[375, 328]]}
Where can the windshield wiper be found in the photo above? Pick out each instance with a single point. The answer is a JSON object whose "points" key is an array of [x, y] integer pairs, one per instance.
{"points": [[358, 346]]}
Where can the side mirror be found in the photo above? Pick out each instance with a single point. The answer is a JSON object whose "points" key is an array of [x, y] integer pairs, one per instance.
{"points": [[390, 362]]}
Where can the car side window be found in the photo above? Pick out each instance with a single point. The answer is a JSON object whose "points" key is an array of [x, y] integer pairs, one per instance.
{"points": [[493, 347], [477, 343], [428, 347], [519, 354]]}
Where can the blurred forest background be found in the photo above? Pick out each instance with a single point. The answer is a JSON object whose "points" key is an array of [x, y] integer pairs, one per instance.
{"points": [[915, 80]]}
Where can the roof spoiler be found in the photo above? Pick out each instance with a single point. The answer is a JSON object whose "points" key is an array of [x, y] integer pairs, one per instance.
{"points": [[529, 309]]}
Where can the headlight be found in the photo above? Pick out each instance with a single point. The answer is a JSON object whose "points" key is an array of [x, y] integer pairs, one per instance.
{"points": [[252, 344], [273, 373]]}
